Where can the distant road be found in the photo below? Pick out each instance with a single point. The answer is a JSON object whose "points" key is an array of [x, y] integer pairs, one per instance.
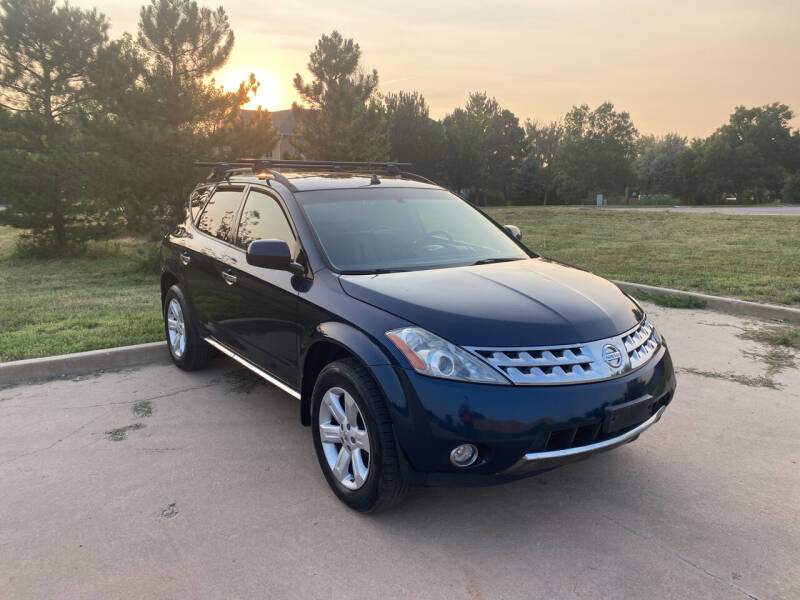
{"points": [[785, 210]]}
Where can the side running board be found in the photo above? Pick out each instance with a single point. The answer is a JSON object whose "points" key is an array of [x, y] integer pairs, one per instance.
{"points": [[258, 371]]}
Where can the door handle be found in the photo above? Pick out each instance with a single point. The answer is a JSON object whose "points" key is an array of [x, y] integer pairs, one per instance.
{"points": [[229, 278], [185, 258]]}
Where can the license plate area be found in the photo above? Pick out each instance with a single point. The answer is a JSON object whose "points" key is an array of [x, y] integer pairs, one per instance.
{"points": [[623, 416]]}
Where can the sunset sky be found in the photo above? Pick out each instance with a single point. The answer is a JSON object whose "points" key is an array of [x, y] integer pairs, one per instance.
{"points": [[675, 65]]}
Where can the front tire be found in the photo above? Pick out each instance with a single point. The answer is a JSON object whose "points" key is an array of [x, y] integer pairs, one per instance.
{"points": [[186, 345], [354, 439]]}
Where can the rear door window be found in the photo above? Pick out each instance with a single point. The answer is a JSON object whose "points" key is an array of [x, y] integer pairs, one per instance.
{"points": [[219, 215]]}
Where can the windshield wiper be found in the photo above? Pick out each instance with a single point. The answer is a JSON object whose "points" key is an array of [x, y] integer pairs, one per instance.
{"points": [[374, 271], [489, 261]]}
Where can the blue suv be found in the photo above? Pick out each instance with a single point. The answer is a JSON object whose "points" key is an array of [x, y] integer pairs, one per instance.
{"points": [[426, 344]]}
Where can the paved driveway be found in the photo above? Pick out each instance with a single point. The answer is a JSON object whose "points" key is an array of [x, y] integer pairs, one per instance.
{"points": [[219, 495]]}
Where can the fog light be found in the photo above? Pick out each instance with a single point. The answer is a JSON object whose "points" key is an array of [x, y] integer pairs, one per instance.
{"points": [[464, 455]]}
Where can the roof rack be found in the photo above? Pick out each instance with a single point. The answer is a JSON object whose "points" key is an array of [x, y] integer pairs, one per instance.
{"points": [[416, 177], [324, 165], [224, 170]]}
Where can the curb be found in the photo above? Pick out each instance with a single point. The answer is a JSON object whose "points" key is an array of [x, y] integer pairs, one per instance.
{"points": [[81, 363], [732, 306]]}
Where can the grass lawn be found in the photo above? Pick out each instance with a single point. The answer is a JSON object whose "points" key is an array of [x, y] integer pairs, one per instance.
{"points": [[110, 298], [750, 257], [8, 237], [107, 298]]}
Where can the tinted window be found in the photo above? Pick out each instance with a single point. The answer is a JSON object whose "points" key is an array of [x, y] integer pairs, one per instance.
{"points": [[219, 215], [402, 228], [263, 219]]}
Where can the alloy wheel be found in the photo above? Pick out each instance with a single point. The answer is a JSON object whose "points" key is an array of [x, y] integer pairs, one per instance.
{"points": [[344, 437], [176, 328]]}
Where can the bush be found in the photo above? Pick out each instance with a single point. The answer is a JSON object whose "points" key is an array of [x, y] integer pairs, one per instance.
{"points": [[495, 198], [44, 245], [147, 259], [658, 200]]}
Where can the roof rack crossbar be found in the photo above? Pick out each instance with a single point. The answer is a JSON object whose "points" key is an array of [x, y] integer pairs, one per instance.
{"points": [[223, 170], [310, 164], [263, 167]]}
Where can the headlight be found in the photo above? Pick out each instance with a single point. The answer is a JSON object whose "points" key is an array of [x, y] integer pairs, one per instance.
{"points": [[431, 355]]}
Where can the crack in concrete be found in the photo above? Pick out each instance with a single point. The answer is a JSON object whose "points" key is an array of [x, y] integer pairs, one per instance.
{"points": [[748, 380], [682, 558], [124, 402], [150, 399], [58, 441]]}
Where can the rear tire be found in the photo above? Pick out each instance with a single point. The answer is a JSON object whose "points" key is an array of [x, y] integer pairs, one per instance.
{"points": [[358, 454], [186, 345]]}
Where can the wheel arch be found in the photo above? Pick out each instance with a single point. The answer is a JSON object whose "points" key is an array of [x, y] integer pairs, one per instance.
{"points": [[168, 279], [333, 341]]}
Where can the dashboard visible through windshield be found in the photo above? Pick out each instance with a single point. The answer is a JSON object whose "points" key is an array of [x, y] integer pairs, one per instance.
{"points": [[402, 229]]}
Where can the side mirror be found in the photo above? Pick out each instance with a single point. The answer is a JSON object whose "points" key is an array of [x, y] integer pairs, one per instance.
{"points": [[273, 254], [514, 231]]}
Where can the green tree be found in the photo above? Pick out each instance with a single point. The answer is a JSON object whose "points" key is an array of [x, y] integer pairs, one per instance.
{"points": [[791, 189], [505, 151], [340, 117], [169, 116], [598, 151], [485, 144], [657, 163], [543, 144], [752, 153], [463, 158], [413, 136], [528, 184], [688, 183], [47, 56], [182, 43]]}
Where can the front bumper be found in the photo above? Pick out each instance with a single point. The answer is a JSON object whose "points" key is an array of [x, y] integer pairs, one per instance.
{"points": [[519, 430], [537, 461]]}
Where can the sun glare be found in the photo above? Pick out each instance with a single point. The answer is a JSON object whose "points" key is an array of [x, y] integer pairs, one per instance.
{"points": [[268, 95]]}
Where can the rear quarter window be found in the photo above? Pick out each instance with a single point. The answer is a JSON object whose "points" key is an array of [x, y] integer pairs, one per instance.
{"points": [[197, 200]]}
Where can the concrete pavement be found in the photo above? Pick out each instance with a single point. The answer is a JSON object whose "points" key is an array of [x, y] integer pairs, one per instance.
{"points": [[218, 495]]}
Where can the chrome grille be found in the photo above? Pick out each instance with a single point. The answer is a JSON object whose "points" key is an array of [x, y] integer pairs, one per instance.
{"points": [[641, 343], [573, 363]]}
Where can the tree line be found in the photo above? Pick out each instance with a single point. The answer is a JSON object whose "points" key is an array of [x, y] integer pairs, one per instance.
{"points": [[485, 152], [100, 135]]}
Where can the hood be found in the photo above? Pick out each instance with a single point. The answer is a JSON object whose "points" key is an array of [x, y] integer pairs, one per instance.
{"points": [[533, 302]]}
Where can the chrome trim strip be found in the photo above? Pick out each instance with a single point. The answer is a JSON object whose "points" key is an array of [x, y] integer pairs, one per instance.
{"points": [[260, 372], [604, 445]]}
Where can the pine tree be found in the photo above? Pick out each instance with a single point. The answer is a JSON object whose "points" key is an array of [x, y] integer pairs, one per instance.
{"points": [[413, 136], [342, 118], [172, 117], [47, 57]]}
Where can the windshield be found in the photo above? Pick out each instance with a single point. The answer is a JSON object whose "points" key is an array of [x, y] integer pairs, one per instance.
{"points": [[401, 229]]}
